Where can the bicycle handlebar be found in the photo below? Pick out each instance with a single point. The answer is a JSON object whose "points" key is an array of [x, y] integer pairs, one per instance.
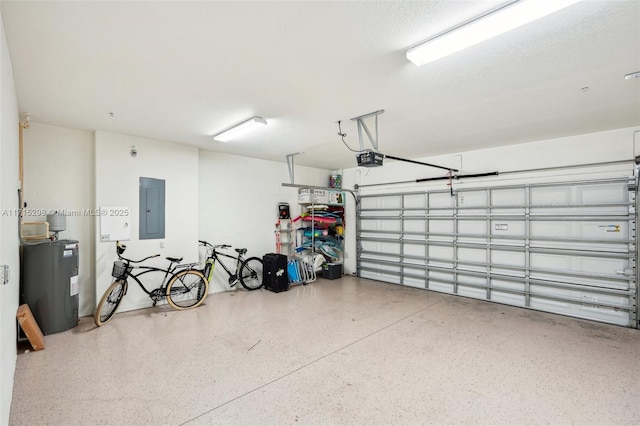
{"points": [[142, 260], [120, 248], [204, 243]]}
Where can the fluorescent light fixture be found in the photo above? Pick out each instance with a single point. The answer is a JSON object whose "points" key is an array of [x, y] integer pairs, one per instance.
{"points": [[240, 129], [632, 75], [489, 25]]}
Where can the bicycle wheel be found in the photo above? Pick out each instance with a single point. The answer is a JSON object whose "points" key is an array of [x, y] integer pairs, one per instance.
{"points": [[251, 273], [110, 301], [187, 289]]}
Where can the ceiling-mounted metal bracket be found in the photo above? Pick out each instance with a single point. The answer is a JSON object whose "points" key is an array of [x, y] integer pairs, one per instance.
{"points": [[369, 158], [290, 165], [363, 126]]}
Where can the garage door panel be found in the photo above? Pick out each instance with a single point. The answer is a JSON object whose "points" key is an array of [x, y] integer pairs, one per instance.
{"points": [[438, 283], [552, 195], [414, 249], [473, 227], [381, 272], [614, 230], [470, 199], [391, 248], [470, 291], [578, 264], [391, 225], [508, 197], [440, 252], [418, 226], [508, 228], [370, 246], [507, 258], [472, 255], [507, 286], [582, 311], [440, 200], [602, 193], [441, 226], [581, 193], [381, 276], [392, 202], [581, 281], [415, 201], [508, 298], [414, 283], [370, 225], [566, 248], [582, 297]]}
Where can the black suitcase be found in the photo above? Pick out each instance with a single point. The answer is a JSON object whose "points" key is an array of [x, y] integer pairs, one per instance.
{"points": [[274, 270]]}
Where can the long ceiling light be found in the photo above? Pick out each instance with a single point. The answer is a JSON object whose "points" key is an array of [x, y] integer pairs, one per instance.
{"points": [[489, 25], [240, 129]]}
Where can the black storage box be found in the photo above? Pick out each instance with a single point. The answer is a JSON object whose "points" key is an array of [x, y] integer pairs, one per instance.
{"points": [[332, 271], [274, 272]]}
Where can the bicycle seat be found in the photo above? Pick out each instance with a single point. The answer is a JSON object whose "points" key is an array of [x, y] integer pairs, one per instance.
{"points": [[174, 259], [241, 251]]}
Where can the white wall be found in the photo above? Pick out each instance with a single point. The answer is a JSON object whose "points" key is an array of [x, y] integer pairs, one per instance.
{"points": [[58, 176], [239, 199], [608, 146], [75, 170], [9, 241], [117, 176]]}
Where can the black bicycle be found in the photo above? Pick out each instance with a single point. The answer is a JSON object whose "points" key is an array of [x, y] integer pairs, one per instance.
{"points": [[248, 271], [183, 286]]}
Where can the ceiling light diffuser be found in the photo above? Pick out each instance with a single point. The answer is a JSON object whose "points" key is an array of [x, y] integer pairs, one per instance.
{"points": [[240, 129], [494, 23]]}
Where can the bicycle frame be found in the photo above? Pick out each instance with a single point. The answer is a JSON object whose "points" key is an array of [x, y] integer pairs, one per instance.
{"points": [[216, 256], [213, 256], [182, 286], [168, 273], [158, 293]]}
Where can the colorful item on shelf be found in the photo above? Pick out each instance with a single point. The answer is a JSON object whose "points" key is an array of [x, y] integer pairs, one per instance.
{"points": [[316, 233], [330, 252], [322, 229], [335, 181], [320, 219], [308, 217], [321, 213], [327, 247]]}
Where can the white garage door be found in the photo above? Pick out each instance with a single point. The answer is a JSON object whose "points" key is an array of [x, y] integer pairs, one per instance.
{"points": [[566, 248]]}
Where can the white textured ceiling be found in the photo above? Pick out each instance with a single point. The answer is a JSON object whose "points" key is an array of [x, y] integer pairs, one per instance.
{"points": [[183, 71]]}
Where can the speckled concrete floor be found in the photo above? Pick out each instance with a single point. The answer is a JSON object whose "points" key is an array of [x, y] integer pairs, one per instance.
{"points": [[345, 351]]}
